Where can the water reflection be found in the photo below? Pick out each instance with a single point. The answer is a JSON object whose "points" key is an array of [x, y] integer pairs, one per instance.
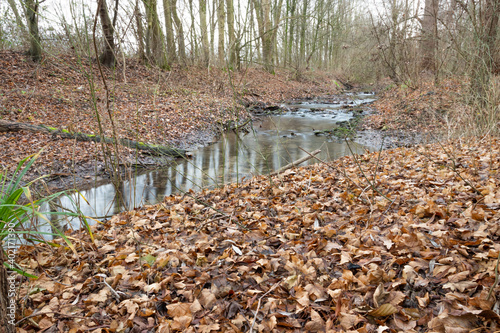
{"points": [[273, 143]]}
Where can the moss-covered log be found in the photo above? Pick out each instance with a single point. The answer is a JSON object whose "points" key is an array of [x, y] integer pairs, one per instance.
{"points": [[11, 126]]}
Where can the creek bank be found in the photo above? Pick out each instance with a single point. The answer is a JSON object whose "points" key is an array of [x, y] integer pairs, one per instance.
{"points": [[351, 129], [181, 108], [356, 128]]}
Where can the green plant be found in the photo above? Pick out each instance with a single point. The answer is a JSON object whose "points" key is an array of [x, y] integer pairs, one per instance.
{"points": [[20, 212]]}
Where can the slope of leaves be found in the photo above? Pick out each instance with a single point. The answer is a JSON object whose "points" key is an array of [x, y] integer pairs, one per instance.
{"points": [[183, 107], [405, 241], [422, 109]]}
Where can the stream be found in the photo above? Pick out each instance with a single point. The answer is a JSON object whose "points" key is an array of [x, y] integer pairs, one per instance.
{"points": [[274, 141]]}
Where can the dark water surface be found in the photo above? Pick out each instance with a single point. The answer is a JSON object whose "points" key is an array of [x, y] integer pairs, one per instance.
{"points": [[273, 143]]}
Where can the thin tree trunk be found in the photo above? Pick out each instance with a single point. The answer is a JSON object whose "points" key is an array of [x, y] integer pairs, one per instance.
{"points": [[319, 14], [221, 25], [267, 46], [264, 24], [169, 30], [17, 16], [291, 32], [140, 31], [155, 46], [204, 33], [276, 21], [194, 40], [429, 41], [484, 63], [31, 10], [233, 45], [212, 17], [180, 32], [107, 58], [303, 29]]}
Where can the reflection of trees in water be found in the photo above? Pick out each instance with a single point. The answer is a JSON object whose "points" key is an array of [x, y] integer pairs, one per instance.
{"points": [[273, 144]]}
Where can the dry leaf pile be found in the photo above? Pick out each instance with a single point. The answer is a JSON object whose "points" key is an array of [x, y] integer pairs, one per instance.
{"points": [[416, 109], [406, 241]]}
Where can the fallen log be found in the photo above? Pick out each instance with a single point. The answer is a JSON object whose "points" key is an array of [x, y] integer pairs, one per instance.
{"points": [[12, 126], [297, 162]]}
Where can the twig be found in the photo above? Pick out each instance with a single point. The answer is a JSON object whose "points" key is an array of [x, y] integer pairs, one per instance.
{"points": [[258, 305], [47, 312], [363, 173], [343, 172], [496, 278], [313, 156], [297, 162], [378, 159], [116, 294], [201, 202]]}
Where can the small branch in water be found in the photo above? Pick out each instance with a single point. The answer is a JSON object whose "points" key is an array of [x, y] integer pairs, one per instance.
{"points": [[296, 163]]}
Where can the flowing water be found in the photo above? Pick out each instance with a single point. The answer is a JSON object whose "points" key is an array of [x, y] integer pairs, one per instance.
{"points": [[275, 141]]}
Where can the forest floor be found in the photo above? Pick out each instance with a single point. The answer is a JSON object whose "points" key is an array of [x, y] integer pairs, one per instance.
{"points": [[405, 239]]}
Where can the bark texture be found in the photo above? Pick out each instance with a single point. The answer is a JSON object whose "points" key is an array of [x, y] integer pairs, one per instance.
{"points": [[31, 8], [107, 58], [429, 41]]}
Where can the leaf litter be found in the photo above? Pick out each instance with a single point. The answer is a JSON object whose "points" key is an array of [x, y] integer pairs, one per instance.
{"points": [[398, 240]]}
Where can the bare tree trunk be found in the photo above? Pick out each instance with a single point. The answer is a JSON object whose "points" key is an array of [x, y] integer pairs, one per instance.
{"points": [[492, 21], [140, 31], [429, 41], [303, 26], [319, 14], [180, 32], [194, 40], [233, 44], [155, 47], [292, 30], [212, 18], [267, 46], [275, 25], [107, 58], [265, 25], [19, 19], [169, 30], [204, 33], [31, 9], [221, 18]]}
